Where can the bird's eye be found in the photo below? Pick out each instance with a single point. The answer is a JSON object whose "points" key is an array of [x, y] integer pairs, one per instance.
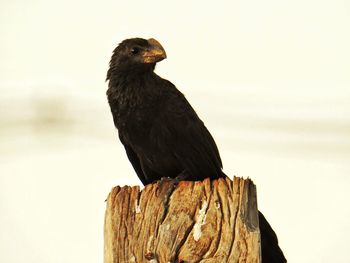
{"points": [[134, 50]]}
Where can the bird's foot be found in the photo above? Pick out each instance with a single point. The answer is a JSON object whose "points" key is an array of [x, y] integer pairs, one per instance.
{"points": [[183, 176], [166, 186], [171, 183], [168, 180]]}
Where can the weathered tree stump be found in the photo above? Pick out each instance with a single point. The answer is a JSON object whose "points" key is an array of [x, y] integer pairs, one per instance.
{"points": [[209, 221]]}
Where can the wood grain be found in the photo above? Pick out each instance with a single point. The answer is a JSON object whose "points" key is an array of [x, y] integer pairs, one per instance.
{"points": [[206, 221]]}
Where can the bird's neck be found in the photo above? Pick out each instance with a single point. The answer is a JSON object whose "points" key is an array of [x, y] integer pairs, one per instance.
{"points": [[118, 73], [122, 78], [134, 89], [133, 98]]}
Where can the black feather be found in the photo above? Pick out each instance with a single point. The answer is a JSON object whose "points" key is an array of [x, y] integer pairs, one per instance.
{"points": [[161, 132]]}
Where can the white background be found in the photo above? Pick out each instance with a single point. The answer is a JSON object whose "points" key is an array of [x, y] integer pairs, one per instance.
{"points": [[269, 78]]}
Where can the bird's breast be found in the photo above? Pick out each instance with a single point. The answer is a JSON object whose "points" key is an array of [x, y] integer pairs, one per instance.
{"points": [[133, 114]]}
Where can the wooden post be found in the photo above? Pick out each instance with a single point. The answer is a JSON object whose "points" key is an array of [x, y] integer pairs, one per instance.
{"points": [[209, 221]]}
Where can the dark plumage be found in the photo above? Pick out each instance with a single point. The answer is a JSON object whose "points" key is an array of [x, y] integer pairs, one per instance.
{"points": [[162, 134], [159, 129]]}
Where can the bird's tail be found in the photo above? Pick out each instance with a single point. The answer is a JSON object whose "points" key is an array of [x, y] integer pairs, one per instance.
{"points": [[270, 250]]}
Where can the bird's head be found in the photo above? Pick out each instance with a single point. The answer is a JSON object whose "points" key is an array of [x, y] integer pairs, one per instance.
{"points": [[136, 54]]}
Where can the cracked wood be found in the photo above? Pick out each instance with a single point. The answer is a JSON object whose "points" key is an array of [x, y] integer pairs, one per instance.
{"points": [[208, 221]]}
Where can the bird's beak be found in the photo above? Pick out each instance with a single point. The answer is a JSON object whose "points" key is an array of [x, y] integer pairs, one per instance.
{"points": [[155, 53]]}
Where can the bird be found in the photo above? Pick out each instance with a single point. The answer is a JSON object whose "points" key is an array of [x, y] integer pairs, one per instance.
{"points": [[162, 134]]}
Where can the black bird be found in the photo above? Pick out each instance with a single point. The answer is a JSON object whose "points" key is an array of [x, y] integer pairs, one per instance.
{"points": [[161, 132]]}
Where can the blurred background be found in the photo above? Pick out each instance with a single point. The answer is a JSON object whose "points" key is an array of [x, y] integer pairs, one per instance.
{"points": [[269, 78]]}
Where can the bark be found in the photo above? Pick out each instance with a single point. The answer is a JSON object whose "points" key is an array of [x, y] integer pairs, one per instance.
{"points": [[208, 221]]}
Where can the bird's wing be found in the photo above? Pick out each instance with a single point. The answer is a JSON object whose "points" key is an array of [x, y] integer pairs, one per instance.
{"points": [[133, 158], [180, 131]]}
